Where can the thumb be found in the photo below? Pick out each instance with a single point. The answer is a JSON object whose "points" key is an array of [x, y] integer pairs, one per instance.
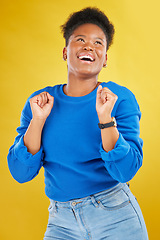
{"points": [[50, 99], [99, 91]]}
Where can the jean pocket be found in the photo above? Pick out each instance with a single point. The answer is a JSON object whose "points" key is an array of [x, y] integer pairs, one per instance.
{"points": [[115, 201], [51, 210]]}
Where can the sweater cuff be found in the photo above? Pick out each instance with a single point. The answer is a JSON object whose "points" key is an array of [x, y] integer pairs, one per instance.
{"points": [[26, 157], [120, 150]]}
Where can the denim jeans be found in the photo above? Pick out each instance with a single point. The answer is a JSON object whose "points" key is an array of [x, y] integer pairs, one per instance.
{"points": [[113, 214]]}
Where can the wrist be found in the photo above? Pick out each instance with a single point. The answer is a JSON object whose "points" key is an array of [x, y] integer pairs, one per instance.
{"points": [[38, 121], [112, 123], [104, 120]]}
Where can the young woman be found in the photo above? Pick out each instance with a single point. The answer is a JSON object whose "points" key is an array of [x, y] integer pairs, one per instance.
{"points": [[86, 136]]}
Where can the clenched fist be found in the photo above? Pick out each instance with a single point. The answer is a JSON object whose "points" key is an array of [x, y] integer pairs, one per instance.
{"points": [[41, 105], [105, 102]]}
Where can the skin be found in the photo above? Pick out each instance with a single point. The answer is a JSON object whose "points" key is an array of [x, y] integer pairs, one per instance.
{"points": [[83, 76], [87, 39]]}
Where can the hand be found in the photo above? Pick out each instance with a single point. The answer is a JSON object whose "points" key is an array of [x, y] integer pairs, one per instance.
{"points": [[105, 102], [41, 105]]}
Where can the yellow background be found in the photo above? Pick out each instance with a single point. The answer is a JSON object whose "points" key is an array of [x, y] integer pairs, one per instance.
{"points": [[31, 58]]}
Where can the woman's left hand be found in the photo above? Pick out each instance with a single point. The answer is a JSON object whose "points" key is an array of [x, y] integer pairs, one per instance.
{"points": [[105, 102]]}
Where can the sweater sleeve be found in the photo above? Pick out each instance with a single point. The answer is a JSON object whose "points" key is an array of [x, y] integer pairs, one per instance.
{"points": [[22, 164], [125, 159]]}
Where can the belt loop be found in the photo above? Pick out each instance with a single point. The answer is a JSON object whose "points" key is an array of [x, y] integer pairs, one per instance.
{"points": [[54, 206], [94, 201]]}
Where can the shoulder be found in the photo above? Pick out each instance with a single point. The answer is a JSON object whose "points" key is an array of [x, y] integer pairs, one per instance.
{"points": [[126, 99], [121, 91], [50, 89]]}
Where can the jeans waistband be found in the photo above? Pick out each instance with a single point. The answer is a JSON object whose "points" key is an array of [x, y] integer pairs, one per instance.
{"points": [[75, 203]]}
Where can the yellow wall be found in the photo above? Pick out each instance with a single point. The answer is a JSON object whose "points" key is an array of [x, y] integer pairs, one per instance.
{"points": [[31, 58]]}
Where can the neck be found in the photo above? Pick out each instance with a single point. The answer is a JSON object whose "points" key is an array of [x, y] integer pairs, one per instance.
{"points": [[78, 87]]}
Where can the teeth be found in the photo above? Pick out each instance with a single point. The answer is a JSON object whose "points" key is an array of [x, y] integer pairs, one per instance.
{"points": [[86, 57]]}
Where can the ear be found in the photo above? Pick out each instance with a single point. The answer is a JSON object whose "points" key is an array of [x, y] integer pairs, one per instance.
{"points": [[105, 61], [64, 53]]}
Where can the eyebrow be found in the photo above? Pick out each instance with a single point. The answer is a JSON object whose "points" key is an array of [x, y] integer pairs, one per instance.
{"points": [[100, 39], [85, 36], [80, 36]]}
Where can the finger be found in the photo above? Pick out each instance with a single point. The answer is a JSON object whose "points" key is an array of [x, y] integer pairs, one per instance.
{"points": [[104, 96], [99, 91], [50, 99], [99, 88], [108, 91], [39, 100], [98, 97], [44, 98]]}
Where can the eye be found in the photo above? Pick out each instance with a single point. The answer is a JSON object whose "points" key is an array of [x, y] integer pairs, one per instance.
{"points": [[80, 39], [98, 42]]}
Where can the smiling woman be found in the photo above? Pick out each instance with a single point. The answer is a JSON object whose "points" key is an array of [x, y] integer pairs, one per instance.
{"points": [[70, 129], [86, 55]]}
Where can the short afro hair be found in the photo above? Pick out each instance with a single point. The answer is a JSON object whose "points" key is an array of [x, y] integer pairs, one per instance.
{"points": [[88, 15]]}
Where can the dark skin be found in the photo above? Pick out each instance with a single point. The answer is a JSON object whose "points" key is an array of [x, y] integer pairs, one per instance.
{"points": [[88, 41], [83, 75]]}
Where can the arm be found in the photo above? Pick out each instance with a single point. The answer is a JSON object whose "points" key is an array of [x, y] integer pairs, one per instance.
{"points": [[104, 105], [124, 158], [22, 164], [25, 157], [41, 106]]}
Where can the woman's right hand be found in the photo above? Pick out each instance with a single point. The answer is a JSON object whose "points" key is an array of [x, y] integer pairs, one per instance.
{"points": [[41, 105]]}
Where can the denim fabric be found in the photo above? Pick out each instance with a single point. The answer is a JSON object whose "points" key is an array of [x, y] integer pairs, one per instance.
{"points": [[113, 214]]}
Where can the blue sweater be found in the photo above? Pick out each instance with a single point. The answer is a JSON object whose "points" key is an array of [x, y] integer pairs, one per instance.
{"points": [[75, 163]]}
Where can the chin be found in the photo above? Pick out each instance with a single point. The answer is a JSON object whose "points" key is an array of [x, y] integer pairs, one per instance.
{"points": [[87, 72]]}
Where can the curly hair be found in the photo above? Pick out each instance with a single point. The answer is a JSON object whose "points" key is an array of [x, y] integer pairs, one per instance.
{"points": [[88, 15]]}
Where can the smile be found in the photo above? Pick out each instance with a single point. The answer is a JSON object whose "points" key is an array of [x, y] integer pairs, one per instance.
{"points": [[86, 57]]}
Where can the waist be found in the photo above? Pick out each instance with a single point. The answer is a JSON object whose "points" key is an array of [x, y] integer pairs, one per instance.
{"points": [[93, 198]]}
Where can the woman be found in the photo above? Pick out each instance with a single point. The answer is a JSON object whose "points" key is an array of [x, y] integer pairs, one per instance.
{"points": [[70, 130]]}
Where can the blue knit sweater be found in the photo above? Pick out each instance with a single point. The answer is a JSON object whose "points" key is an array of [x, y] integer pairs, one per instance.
{"points": [[71, 153]]}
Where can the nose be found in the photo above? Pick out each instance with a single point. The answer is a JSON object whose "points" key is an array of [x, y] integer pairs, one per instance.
{"points": [[88, 47]]}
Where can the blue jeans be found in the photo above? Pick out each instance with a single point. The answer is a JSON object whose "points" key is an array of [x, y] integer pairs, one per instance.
{"points": [[113, 214]]}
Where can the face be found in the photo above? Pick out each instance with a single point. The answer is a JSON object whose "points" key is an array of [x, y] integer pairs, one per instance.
{"points": [[86, 50]]}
